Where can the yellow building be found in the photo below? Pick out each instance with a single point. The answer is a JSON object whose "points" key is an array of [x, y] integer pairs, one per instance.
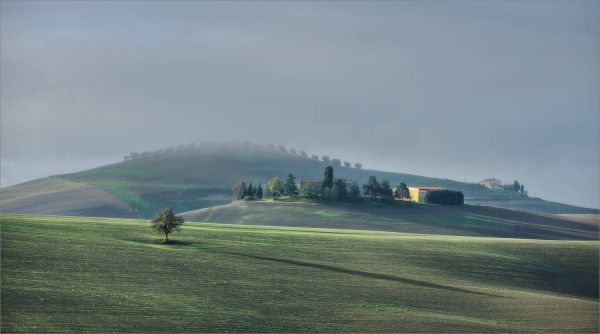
{"points": [[418, 193]]}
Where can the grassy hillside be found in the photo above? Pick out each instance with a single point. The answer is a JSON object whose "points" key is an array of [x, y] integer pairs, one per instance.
{"points": [[400, 217], [76, 274], [205, 178], [55, 195]]}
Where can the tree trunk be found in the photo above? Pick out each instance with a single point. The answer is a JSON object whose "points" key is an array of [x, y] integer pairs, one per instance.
{"points": [[166, 238]]}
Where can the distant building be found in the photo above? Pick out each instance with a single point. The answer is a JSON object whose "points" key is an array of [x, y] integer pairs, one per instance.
{"points": [[418, 193], [491, 183]]}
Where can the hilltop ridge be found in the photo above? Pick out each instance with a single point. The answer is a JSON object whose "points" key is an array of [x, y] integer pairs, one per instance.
{"points": [[203, 177]]}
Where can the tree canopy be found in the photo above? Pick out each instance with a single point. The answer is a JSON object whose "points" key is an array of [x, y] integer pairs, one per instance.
{"points": [[328, 178], [402, 191], [445, 197], [166, 222], [372, 188], [275, 187], [354, 191], [289, 188], [386, 190], [339, 190]]}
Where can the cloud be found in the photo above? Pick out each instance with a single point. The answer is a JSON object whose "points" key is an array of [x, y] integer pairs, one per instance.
{"points": [[453, 89]]}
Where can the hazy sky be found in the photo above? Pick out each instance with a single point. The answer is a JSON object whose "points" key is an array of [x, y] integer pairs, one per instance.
{"points": [[462, 90]]}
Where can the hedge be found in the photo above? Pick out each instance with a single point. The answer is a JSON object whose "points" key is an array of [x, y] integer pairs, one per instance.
{"points": [[445, 197]]}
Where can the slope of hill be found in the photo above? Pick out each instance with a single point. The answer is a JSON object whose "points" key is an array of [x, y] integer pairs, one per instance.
{"points": [[54, 195], [77, 274], [204, 178], [466, 220]]}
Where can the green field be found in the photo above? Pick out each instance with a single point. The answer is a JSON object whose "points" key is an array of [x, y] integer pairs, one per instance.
{"points": [[77, 274], [399, 216], [139, 188]]}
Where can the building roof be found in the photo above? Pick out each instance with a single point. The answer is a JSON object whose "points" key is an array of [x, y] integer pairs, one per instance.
{"points": [[491, 179], [427, 188]]}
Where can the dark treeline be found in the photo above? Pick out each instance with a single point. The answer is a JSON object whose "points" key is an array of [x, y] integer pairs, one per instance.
{"points": [[516, 187], [331, 188], [445, 197], [194, 148], [243, 191]]}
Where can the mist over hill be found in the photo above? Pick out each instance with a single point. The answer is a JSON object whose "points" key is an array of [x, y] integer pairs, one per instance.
{"points": [[191, 177]]}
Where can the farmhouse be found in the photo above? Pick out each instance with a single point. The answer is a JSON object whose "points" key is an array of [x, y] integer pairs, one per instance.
{"points": [[491, 183], [418, 193]]}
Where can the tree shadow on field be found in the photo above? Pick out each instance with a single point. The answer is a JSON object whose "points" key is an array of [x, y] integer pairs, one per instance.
{"points": [[162, 242], [363, 274]]}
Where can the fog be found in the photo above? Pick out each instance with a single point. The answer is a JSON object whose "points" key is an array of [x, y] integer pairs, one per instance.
{"points": [[459, 90]]}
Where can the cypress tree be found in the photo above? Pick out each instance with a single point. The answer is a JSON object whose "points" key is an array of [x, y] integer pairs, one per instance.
{"points": [[328, 178], [289, 187], [259, 192]]}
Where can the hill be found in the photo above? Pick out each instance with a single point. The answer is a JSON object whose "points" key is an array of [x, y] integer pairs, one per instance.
{"points": [[203, 177], [77, 274], [56, 196], [465, 220]]}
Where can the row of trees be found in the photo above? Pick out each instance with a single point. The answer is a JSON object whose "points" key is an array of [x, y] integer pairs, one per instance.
{"points": [[277, 187], [338, 162], [242, 191], [195, 148], [342, 190], [329, 188]]}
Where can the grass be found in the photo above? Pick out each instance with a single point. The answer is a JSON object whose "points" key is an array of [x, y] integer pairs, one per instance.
{"points": [[398, 216], [78, 274]]}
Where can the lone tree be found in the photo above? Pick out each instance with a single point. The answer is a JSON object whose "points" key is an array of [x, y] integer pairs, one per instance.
{"points": [[166, 222], [357, 165], [327, 178], [347, 164]]}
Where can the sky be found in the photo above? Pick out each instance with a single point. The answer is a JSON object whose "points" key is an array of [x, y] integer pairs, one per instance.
{"points": [[451, 89]]}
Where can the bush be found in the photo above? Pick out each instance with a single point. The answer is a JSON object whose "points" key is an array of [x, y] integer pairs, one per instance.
{"points": [[310, 190], [445, 197]]}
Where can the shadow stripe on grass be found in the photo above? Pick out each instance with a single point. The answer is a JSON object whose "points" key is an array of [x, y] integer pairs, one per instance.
{"points": [[362, 273]]}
